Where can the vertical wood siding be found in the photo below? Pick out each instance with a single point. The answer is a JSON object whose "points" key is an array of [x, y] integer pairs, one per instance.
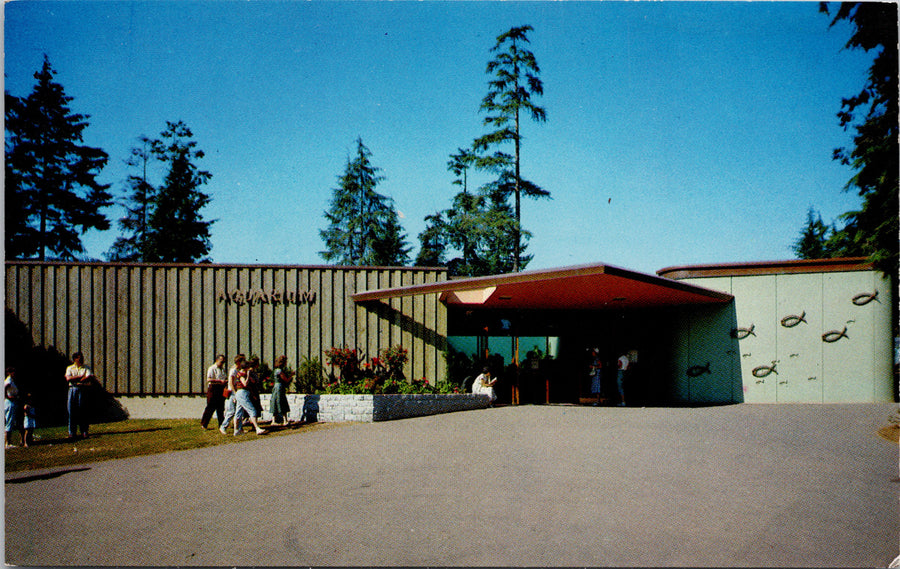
{"points": [[154, 329]]}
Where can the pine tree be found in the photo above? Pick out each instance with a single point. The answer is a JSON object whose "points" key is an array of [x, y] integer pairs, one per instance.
{"points": [[510, 94], [134, 245], [177, 232], [813, 241], [433, 242], [363, 226], [51, 192]]}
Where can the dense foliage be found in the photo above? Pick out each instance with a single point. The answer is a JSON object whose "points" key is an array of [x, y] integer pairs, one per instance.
{"points": [[51, 192], [363, 226], [872, 114], [163, 223]]}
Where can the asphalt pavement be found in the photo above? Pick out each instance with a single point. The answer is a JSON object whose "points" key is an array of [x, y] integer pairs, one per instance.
{"points": [[739, 485]]}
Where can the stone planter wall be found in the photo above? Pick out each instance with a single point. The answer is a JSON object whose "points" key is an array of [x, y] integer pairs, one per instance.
{"points": [[369, 408]]}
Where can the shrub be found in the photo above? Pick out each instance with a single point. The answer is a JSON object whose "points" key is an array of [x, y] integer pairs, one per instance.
{"points": [[310, 375], [381, 374]]}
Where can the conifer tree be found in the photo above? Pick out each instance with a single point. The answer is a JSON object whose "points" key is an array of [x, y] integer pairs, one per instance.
{"points": [[873, 115], [134, 245], [515, 84], [177, 232], [51, 192], [363, 226]]}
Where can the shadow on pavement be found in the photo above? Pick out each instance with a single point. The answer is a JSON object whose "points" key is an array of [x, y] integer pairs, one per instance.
{"points": [[45, 476]]}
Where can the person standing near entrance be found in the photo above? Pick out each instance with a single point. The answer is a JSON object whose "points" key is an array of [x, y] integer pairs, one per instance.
{"points": [[79, 379], [596, 374], [623, 364], [215, 392]]}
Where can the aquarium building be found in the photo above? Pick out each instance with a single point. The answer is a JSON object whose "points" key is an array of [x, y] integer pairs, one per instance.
{"points": [[774, 332]]}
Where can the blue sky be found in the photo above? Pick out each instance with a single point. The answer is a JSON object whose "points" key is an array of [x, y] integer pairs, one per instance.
{"points": [[677, 133]]}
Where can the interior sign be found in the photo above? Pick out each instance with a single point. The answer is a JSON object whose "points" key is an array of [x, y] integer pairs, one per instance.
{"points": [[260, 296]]}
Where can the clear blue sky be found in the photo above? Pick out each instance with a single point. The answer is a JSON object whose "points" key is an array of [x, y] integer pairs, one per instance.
{"points": [[709, 126]]}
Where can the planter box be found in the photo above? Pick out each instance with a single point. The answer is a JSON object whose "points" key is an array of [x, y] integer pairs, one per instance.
{"points": [[369, 408]]}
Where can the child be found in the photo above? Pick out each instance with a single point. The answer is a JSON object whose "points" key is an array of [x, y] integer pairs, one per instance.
{"points": [[29, 423]]}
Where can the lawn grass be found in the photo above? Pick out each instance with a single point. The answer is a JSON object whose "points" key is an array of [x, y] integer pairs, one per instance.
{"points": [[133, 437]]}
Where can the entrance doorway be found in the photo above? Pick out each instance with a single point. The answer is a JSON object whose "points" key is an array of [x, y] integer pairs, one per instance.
{"points": [[545, 356]]}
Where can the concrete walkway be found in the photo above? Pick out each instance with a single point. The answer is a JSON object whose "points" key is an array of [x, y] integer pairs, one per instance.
{"points": [[743, 485]]}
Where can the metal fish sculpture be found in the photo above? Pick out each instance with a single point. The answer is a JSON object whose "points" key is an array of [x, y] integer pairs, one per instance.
{"points": [[794, 320], [865, 298], [697, 371], [741, 333], [835, 335], [764, 371]]}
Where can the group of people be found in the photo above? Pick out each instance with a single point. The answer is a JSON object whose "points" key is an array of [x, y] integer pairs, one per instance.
{"points": [[234, 396], [598, 388], [20, 411]]}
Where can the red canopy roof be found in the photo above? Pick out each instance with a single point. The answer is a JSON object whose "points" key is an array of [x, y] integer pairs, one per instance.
{"points": [[579, 287]]}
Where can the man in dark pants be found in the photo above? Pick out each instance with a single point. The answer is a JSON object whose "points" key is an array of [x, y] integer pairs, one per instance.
{"points": [[215, 386]]}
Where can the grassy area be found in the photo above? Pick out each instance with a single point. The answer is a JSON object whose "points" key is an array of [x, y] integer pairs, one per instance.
{"points": [[135, 437]]}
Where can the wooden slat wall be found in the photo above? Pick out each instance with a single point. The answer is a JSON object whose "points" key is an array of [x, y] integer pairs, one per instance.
{"points": [[154, 329]]}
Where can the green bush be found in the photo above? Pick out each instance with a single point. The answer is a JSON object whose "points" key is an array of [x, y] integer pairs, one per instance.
{"points": [[310, 376]]}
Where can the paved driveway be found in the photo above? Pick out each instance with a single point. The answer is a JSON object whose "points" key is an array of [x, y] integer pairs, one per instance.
{"points": [[743, 485]]}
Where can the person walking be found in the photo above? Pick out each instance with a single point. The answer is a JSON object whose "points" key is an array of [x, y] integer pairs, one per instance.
{"points": [[79, 377], [216, 381], [278, 404], [231, 410], [243, 383]]}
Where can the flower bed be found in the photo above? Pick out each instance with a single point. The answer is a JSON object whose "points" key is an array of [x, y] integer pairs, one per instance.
{"points": [[335, 408]]}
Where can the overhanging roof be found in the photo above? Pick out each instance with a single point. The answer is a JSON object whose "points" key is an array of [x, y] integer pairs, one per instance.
{"points": [[768, 268], [580, 287]]}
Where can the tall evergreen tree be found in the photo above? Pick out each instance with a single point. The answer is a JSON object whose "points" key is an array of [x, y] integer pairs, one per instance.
{"points": [[51, 192], [135, 244], [363, 226], [433, 242], [510, 94], [813, 241], [873, 115], [177, 232], [459, 164]]}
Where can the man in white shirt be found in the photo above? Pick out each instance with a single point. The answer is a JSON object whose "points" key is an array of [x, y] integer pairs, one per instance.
{"points": [[623, 364], [79, 378], [216, 379]]}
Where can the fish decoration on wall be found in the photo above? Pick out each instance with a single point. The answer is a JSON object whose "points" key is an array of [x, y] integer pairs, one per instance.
{"points": [[697, 371], [835, 335], [765, 371], [794, 320], [865, 298], [741, 333]]}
